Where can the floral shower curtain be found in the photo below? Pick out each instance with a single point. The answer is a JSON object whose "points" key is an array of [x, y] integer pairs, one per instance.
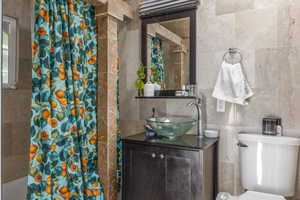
{"points": [[119, 144], [157, 61], [63, 150]]}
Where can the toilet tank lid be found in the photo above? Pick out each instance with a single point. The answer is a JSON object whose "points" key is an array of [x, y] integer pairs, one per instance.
{"points": [[268, 139], [251, 195]]}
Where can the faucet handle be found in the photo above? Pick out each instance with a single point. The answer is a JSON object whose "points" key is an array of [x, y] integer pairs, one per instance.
{"points": [[201, 99]]}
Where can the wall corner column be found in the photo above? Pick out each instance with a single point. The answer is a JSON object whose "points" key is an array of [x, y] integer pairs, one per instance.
{"points": [[107, 27], [108, 14]]}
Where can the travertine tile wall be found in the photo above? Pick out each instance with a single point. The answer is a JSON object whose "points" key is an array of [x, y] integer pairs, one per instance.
{"points": [[129, 58], [268, 34], [16, 135]]}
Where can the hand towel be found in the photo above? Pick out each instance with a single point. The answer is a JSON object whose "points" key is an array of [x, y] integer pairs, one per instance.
{"points": [[232, 85]]}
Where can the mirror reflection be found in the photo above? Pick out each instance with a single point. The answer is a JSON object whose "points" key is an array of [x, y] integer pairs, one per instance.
{"points": [[168, 53]]}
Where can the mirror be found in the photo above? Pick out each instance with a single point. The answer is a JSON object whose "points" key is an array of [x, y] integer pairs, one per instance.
{"points": [[168, 52], [168, 49]]}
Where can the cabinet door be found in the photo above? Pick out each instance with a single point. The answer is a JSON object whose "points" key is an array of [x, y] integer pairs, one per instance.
{"points": [[183, 174], [143, 173]]}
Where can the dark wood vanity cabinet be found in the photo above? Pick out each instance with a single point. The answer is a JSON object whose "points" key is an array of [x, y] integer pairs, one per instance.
{"points": [[159, 171]]}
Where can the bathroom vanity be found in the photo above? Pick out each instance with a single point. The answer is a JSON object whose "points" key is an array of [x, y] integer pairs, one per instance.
{"points": [[181, 169]]}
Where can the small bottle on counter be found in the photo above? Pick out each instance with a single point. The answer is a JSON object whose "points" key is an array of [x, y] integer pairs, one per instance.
{"points": [[184, 91]]}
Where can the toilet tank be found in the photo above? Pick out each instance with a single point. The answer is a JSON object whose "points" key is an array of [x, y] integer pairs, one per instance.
{"points": [[269, 163]]}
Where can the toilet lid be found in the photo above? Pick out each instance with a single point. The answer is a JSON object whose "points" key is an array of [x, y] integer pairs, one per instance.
{"points": [[250, 195]]}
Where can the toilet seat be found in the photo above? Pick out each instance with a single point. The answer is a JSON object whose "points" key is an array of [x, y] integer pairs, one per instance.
{"points": [[251, 195]]}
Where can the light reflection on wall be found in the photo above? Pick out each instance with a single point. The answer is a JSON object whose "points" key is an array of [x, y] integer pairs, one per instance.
{"points": [[259, 166]]}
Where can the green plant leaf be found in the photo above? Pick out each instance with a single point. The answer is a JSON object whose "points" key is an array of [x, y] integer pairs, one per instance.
{"points": [[139, 84], [141, 75]]}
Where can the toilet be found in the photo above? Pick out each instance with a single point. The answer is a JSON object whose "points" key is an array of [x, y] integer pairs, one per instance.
{"points": [[268, 166]]}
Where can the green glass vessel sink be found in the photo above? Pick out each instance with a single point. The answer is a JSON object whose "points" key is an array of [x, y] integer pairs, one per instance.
{"points": [[171, 127]]}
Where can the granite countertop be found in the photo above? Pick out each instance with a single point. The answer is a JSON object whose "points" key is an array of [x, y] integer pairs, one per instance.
{"points": [[186, 141]]}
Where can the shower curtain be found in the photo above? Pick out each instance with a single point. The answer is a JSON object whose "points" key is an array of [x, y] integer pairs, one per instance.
{"points": [[157, 61], [119, 160], [63, 150]]}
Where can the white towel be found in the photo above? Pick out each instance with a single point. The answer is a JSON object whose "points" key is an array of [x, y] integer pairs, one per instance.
{"points": [[232, 85]]}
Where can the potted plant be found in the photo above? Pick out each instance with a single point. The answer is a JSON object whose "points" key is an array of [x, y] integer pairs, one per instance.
{"points": [[140, 82], [156, 78], [154, 75]]}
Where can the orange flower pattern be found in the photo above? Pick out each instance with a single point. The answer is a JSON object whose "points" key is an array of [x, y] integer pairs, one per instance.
{"points": [[63, 150]]}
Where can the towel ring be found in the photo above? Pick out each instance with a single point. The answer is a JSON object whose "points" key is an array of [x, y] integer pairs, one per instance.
{"points": [[232, 52]]}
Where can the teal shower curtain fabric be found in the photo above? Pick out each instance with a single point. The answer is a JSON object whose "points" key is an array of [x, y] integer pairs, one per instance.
{"points": [[119, 143], [63, 150], [119, 162], [157, 61]]}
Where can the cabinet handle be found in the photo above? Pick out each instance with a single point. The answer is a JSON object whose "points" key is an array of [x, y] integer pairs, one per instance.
{"points": [[153, 155], [162, 156]]}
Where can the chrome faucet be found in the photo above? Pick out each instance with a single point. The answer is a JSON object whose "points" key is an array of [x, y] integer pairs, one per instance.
{"points": [[200, 105]]}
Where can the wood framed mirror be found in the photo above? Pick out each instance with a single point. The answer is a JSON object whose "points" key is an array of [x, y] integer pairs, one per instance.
{"points": [[169, 48]]}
